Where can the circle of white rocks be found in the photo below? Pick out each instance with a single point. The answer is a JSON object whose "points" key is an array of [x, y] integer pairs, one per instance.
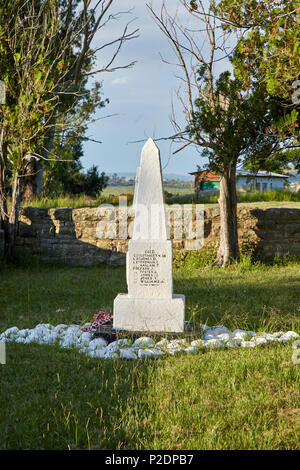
{"points": [[72, 336]]}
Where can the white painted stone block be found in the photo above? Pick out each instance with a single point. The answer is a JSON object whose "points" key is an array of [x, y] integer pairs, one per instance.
{"points": [[153, 315], [149, 272]]}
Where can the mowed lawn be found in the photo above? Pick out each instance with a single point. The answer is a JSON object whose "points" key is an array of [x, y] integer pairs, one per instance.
{"points": [[230, 399]]}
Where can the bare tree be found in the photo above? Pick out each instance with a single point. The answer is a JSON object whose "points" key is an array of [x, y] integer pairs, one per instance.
{"points": [[223, 121]]}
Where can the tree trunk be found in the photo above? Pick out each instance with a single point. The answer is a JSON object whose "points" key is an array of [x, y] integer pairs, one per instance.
{"points": [[28, 190], [3, 184], [229, 246], [14, 213], [32, 182]]}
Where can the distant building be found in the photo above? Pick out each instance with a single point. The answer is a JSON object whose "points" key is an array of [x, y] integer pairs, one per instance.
{"points": [[245, 181]]}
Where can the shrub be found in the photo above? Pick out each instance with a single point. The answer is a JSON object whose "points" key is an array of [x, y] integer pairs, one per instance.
{"points": [[129, 197]]}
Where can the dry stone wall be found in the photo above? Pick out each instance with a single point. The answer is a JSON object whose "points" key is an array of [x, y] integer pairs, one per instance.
{"points": [[73, 236]]}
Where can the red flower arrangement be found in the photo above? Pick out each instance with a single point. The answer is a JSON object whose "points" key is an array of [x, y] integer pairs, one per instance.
{"points": [[100, 318]]}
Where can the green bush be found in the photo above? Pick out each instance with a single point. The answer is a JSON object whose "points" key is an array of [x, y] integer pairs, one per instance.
{"points": [[255, 196]]}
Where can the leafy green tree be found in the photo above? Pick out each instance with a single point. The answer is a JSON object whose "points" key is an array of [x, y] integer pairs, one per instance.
{"points": [[46, 56], [270, 44], [90, 183], [268, 51], [67, 148], [235, 131], [278, 162]]}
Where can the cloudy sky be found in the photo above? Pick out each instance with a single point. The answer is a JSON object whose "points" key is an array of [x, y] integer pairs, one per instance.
{"points": [[141, 96]]}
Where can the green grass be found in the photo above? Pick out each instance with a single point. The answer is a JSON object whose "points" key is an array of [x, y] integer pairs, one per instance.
{"points": [[235, 399], [76, 202], [280, 198], [182, 196], [187, 188]]}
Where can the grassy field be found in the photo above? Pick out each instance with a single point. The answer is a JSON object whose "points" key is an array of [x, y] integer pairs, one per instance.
{"points": [[230, 399], [263, 200], [116, 190]]}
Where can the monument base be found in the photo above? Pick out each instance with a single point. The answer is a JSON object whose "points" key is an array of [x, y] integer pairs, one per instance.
{"points": [[152, 315]]}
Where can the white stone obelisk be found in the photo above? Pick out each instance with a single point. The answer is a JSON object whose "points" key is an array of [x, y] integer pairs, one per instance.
{"points": [[150, 304]]}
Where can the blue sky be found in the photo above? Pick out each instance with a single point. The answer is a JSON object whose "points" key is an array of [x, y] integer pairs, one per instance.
{"points": [[141, 96]]}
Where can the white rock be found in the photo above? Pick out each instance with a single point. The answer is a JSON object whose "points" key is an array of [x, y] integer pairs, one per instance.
{"points": [[51, 337], [127, 353], [35, 335], [197, 343], [23, 333], [73, 330], [111, 354], [208, 336], [8, 339], [240, 334], [44, 326], [98, 353], [143, 342], [149, 353], [11, 331], [157, 352], [71, 336], [114, 346], [173, 349], [247, 344], [234, 342], [163, 343], [224, 337], [178, 344], [61, 327], [214, 343], [191, 349], [31, 337], [85, 339], [19, 340], [259, 341], [68, 342], [277, 334], [42, 337], [283, 340], [97, 343], [71, 333], [218, 330], [290, 335]]}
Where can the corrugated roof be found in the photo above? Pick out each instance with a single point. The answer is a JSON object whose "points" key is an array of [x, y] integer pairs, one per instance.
{"points": [[267, 174]]}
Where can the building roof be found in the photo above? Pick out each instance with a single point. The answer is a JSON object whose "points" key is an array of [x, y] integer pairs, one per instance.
{"points": [[249, 174], [267, 174]]}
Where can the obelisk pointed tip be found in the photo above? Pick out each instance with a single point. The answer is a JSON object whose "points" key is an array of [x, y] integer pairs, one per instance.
{"points": [[150, 144]]}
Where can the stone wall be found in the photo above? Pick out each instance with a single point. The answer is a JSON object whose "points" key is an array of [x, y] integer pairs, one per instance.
{"points": [[72, 235]]}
